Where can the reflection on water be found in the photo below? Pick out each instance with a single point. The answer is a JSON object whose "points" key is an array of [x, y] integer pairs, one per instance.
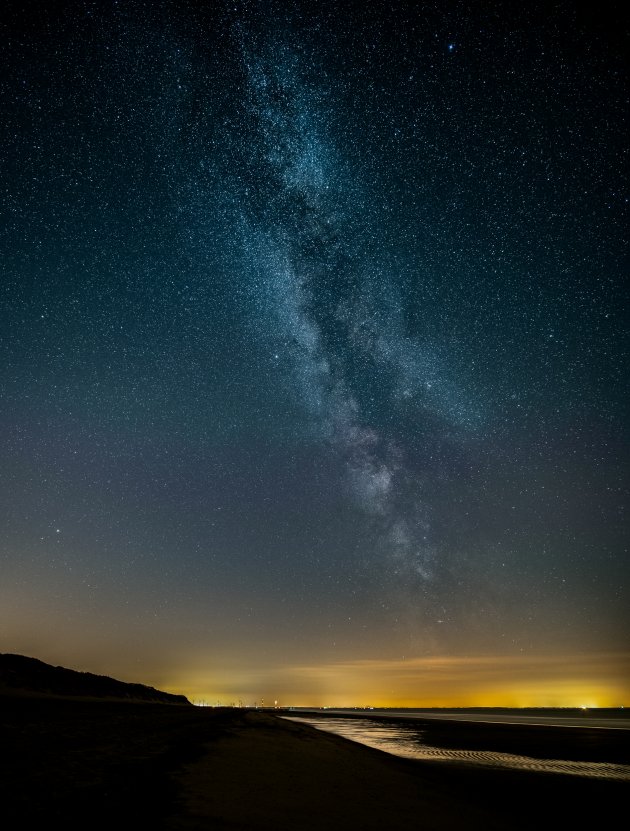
{"points": [[402, 740]]}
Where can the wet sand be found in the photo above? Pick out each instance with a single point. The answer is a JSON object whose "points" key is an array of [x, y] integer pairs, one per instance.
{"points": [[106, 764], [588, 744]]}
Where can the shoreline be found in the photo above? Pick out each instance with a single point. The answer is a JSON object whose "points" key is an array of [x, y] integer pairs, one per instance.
{"points": [[588, 743], [166, 767], [605, 718]]}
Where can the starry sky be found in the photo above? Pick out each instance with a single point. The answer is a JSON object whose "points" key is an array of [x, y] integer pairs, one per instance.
{"points": [[313, 348]]}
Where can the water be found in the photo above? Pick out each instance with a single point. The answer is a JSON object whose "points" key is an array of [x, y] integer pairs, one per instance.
{"points": [[405, 741]]}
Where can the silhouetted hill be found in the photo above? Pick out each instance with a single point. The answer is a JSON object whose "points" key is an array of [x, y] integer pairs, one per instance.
{"points": [[21, 675]]}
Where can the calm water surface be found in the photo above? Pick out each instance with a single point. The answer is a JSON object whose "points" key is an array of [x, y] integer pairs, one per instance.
{"points": [[405, 741]]}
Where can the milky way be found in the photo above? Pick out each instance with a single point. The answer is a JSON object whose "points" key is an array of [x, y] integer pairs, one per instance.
{"points": [[334, 321], [313, 334]]}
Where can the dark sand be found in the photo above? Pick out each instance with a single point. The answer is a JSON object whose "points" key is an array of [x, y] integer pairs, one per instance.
{"points": [[97, 764]]}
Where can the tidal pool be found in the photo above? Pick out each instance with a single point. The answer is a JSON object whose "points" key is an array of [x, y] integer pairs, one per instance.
{"points": [[408, 742]]}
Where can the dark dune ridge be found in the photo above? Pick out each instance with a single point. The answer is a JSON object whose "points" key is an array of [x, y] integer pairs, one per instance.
{"points": [[104, 763], [23, 675]]}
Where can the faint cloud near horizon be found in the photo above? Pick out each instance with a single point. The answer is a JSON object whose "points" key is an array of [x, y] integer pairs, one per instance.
{"points": [[595, 680]]}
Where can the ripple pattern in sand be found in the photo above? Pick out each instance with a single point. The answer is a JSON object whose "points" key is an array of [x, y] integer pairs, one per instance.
{"points": [[407, 742]]}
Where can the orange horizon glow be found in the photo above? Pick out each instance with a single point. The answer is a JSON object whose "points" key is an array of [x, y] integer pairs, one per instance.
{"points": [[593, 681]]}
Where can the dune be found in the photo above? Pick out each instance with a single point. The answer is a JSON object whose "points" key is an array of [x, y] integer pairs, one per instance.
{"points": [[22, 675]]}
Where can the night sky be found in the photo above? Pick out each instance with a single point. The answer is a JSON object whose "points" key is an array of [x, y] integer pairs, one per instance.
{"points": [[313, 349]]}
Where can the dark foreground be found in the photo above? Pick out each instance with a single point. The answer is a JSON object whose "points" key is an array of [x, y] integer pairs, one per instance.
{"points": [[103, 764]]}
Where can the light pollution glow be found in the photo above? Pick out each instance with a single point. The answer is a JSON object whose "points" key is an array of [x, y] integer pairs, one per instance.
{"points": [[325, 370], [600, 680]]}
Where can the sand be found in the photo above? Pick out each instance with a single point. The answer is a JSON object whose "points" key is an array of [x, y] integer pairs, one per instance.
{"points": [[270, 774], [93, 764]]}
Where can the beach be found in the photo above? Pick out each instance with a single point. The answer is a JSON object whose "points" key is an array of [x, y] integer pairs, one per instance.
{"points": [[98, 764]]}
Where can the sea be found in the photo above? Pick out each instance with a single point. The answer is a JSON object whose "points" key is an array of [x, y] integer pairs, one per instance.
{"points": [[400, 737]]}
